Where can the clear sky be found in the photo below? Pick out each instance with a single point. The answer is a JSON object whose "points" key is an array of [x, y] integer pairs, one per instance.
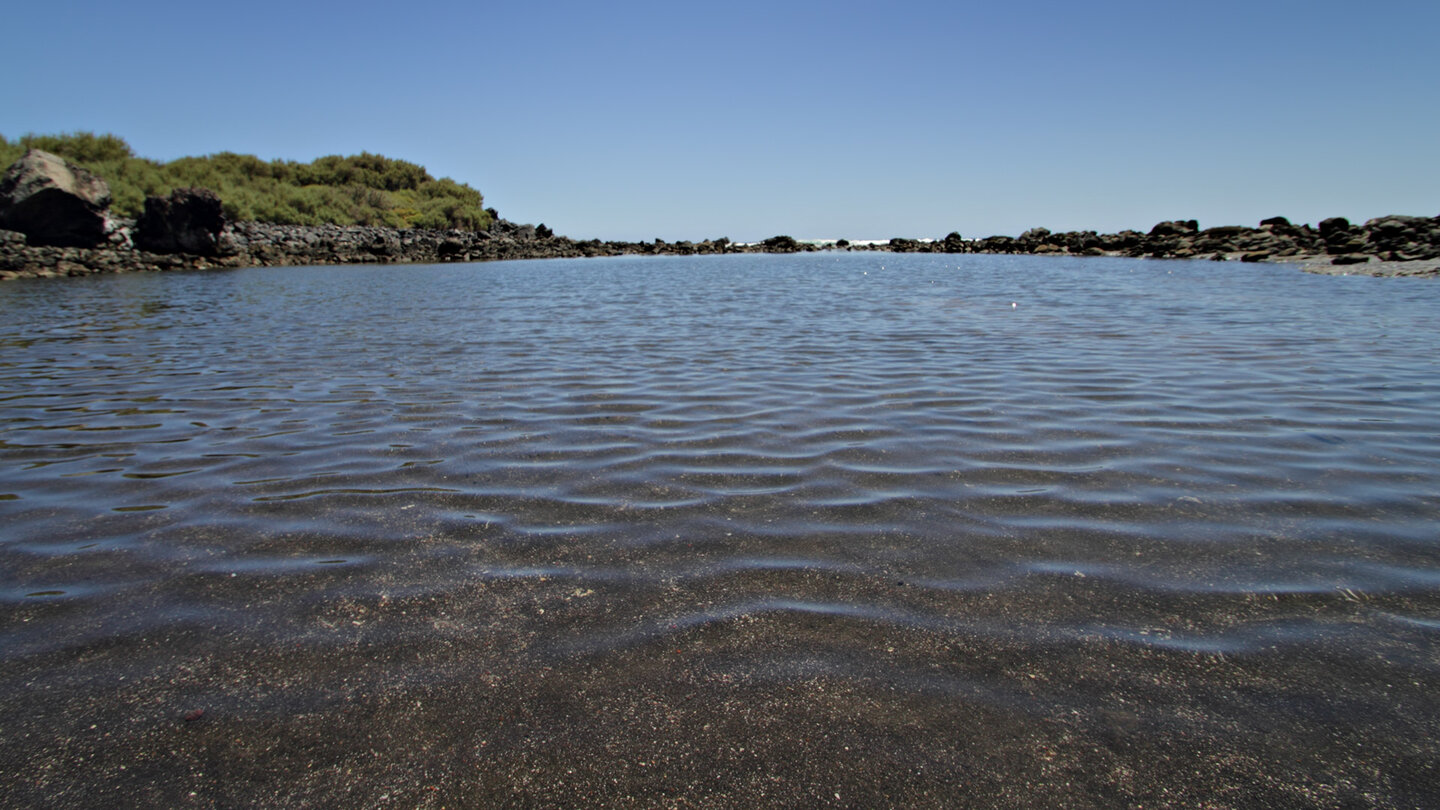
{"points": [[637, 120]]}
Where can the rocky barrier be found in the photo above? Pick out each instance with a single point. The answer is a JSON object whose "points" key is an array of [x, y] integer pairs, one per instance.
{"points": [[1385, 239], [1394, 245], [256, 244], [54, 221]]}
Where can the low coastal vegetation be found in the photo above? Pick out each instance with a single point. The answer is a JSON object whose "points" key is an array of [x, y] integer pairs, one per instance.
{"points": [[361, 189]]}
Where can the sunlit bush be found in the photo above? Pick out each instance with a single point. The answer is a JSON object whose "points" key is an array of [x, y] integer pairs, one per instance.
{"points": [[362, 189]]}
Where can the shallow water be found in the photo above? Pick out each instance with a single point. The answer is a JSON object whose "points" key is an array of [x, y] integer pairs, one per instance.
{"points": [[823, 529]]}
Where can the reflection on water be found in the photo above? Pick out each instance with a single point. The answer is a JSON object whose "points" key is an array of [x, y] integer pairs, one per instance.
{"points": [[1170, 525]]}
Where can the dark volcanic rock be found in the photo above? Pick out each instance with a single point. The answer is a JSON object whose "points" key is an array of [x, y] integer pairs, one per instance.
{"points": [[1126, 240], [1176, 227], [1402, 238], [1332, 226], [1350, 259], [188, 221], [384, 243], [1221, 239], [450, 249], [781, 244], [1280, 226], [1340, 237], [997, 244], [53, 202]]}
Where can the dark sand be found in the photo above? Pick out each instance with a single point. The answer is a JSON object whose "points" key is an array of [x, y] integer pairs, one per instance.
{"points": [[481, 698]]}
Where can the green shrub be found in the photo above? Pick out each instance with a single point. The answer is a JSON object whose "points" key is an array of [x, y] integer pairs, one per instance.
{"points": [[81, 147], [10, 152], [362, 189]]}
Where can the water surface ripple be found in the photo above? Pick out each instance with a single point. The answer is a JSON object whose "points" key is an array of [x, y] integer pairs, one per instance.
{"points": [[825, 529]]}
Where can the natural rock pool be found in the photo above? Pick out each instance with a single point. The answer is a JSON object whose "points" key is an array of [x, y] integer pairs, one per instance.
{"points": [[813, 530]]}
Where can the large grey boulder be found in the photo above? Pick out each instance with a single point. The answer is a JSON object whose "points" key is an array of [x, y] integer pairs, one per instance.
{"points": [[53, 202], [188, 221]]}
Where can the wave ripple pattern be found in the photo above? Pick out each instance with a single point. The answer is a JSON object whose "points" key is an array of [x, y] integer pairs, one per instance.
{"points": [[817, 530]]}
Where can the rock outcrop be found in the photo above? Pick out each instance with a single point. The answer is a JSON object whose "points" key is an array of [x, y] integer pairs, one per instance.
{"points": [[1390, 239], [244, 244], [190, 220], [53, 202], [53, 222], [1402, 239], [1340, 237]]}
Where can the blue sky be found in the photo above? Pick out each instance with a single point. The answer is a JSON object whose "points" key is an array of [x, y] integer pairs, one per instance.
{"points": [[637, 120]]}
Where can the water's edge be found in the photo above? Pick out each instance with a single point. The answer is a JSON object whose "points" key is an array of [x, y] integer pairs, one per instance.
{"points": [[1386, 246]]}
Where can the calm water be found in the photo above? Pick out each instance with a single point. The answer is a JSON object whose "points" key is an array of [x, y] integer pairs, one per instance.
{"points": [[829, 529]]}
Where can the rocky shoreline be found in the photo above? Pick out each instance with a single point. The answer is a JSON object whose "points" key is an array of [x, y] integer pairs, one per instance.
{"points": [[55, 222], [254, 244], [1388, 246]]}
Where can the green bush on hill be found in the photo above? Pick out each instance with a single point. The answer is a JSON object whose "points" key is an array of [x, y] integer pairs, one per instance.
{"points": [[361, 189]]}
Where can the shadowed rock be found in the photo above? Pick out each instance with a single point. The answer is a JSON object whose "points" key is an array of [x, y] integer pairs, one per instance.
{"points": [[1341, 237], [188, 221], [53, 202], [1175, 227], [1403, 238], [1333, 226]]}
